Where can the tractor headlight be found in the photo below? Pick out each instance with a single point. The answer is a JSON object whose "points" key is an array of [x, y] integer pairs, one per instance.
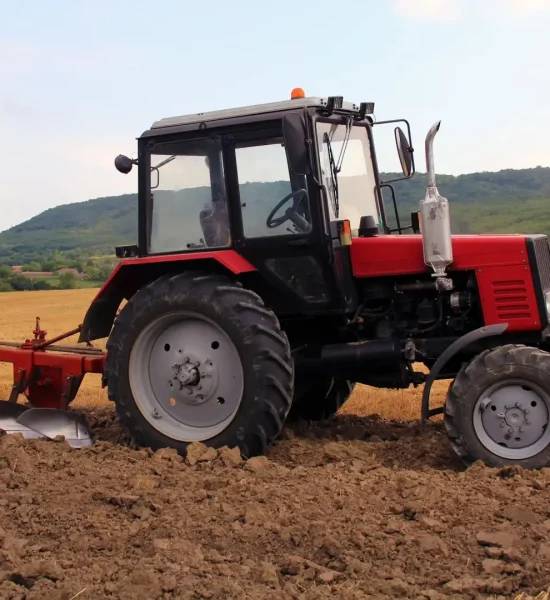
{"points": [[547, 302]]}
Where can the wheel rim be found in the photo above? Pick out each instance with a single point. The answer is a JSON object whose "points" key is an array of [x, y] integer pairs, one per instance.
{"points": [[186, 376], [511, 419]]}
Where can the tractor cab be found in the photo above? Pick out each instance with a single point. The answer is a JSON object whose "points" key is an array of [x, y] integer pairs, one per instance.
{"points": [[281, 183]]}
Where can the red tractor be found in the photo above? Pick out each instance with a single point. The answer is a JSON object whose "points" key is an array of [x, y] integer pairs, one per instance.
{"points": [[267, 282]]}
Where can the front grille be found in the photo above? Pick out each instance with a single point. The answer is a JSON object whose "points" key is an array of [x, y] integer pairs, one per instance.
{"points": [[541, 251], [538, 251]]}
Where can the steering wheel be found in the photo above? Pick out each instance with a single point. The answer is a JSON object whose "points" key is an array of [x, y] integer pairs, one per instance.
{"points": [[291, 213]]}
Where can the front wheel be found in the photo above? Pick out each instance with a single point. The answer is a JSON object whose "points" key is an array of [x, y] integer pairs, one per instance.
{"points": [[498, 408], [196, 357]]}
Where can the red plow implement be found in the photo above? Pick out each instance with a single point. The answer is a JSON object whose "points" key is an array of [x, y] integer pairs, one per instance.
{"points": [[49, 376]]}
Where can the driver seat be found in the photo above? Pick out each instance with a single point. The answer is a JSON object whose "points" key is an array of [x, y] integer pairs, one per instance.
{"points": [[214, 221]]}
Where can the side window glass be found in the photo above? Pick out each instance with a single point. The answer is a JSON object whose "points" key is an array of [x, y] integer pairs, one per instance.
{"points": [[272, 201], [188, 194]]}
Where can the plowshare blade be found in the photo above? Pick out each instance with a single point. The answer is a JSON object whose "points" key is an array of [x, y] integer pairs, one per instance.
{"points": [[9, 423], [51, 422]]}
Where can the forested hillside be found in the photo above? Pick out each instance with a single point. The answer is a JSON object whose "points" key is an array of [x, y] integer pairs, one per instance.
{"points": [[505, 201]]}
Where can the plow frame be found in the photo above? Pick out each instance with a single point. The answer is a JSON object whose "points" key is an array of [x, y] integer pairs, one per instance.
{"points": [[49, 375]]}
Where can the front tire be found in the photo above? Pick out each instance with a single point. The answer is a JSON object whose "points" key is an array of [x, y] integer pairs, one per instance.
{"points": [[498, 408], [195, 357]]}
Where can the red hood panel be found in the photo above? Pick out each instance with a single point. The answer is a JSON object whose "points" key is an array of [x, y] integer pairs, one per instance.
{"points": [[403, 255]]}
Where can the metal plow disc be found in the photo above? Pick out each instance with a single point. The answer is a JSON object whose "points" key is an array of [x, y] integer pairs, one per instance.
{"points": [[45, 423]]}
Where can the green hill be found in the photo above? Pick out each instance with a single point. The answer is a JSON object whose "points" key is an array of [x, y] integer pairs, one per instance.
{"points": [[504, 201]]}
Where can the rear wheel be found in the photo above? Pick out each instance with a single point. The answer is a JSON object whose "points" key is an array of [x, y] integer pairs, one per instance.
{"points": [[498, 408], [196, 357], [315, 401]]}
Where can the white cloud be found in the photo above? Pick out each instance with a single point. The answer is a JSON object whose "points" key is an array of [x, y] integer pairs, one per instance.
{"points": [[430, 10], [452, 10], [521, 7]]}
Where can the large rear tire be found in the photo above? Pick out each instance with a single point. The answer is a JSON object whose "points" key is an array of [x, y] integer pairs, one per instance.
{"points": [[498, 408], [319, 400], [196, 357]]}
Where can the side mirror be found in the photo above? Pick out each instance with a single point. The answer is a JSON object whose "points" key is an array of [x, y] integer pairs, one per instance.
{"points": [[123, 164], [404, 151], [295, 134]]}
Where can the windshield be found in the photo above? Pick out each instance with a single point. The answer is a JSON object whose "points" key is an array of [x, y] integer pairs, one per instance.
{"points": [[347, 172]]}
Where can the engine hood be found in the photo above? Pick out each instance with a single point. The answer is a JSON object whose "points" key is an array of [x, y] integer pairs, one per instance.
{"points": [[403, 255]]}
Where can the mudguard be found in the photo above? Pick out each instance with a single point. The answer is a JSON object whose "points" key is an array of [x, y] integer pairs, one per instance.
{"points": [[133, 273], [454, 348]]}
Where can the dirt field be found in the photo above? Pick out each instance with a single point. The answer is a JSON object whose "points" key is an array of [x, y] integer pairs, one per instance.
{"points": [[362, 506]]}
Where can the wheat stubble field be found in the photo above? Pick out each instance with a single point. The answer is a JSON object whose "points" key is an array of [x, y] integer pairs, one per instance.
{"points": [[366, 505]]}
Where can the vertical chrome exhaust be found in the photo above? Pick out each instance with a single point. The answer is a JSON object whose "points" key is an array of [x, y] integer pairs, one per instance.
{"points": [[430, 169], [436, 221]]}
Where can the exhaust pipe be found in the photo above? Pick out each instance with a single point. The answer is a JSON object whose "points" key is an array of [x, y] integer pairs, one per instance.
{"points": [[436, 222]]}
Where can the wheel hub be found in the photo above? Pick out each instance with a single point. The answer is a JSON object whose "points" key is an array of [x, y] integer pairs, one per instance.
{"points": [[194, 381], [187, 374], [513, 415]]}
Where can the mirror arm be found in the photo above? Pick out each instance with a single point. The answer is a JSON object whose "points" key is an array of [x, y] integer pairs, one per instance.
{"points": [[394, 201], [158, 178]]}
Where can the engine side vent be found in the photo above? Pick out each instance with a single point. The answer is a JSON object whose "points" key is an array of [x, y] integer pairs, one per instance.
{"points": [[512, 300]]}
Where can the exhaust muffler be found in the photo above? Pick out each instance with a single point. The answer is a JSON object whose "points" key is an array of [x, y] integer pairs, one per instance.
{"points": [[436, 222]]}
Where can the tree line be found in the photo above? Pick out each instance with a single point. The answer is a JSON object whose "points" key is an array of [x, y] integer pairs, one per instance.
{"points": [[42, 273]]}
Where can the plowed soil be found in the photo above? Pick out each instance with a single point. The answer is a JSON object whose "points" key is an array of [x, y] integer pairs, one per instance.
{"points": [[357, 507], [351, 508]]}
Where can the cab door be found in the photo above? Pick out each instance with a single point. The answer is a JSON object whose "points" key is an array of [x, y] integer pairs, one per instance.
{"points": [[279, 224]]}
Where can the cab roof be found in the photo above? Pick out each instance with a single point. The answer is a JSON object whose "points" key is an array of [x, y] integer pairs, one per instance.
{"points": [[255, 109]]}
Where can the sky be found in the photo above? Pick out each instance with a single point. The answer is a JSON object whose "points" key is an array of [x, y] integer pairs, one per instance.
{"points": [[80, 80]]}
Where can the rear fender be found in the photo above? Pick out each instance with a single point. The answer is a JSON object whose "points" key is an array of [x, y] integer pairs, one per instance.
{"points": [[132, 274]]}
